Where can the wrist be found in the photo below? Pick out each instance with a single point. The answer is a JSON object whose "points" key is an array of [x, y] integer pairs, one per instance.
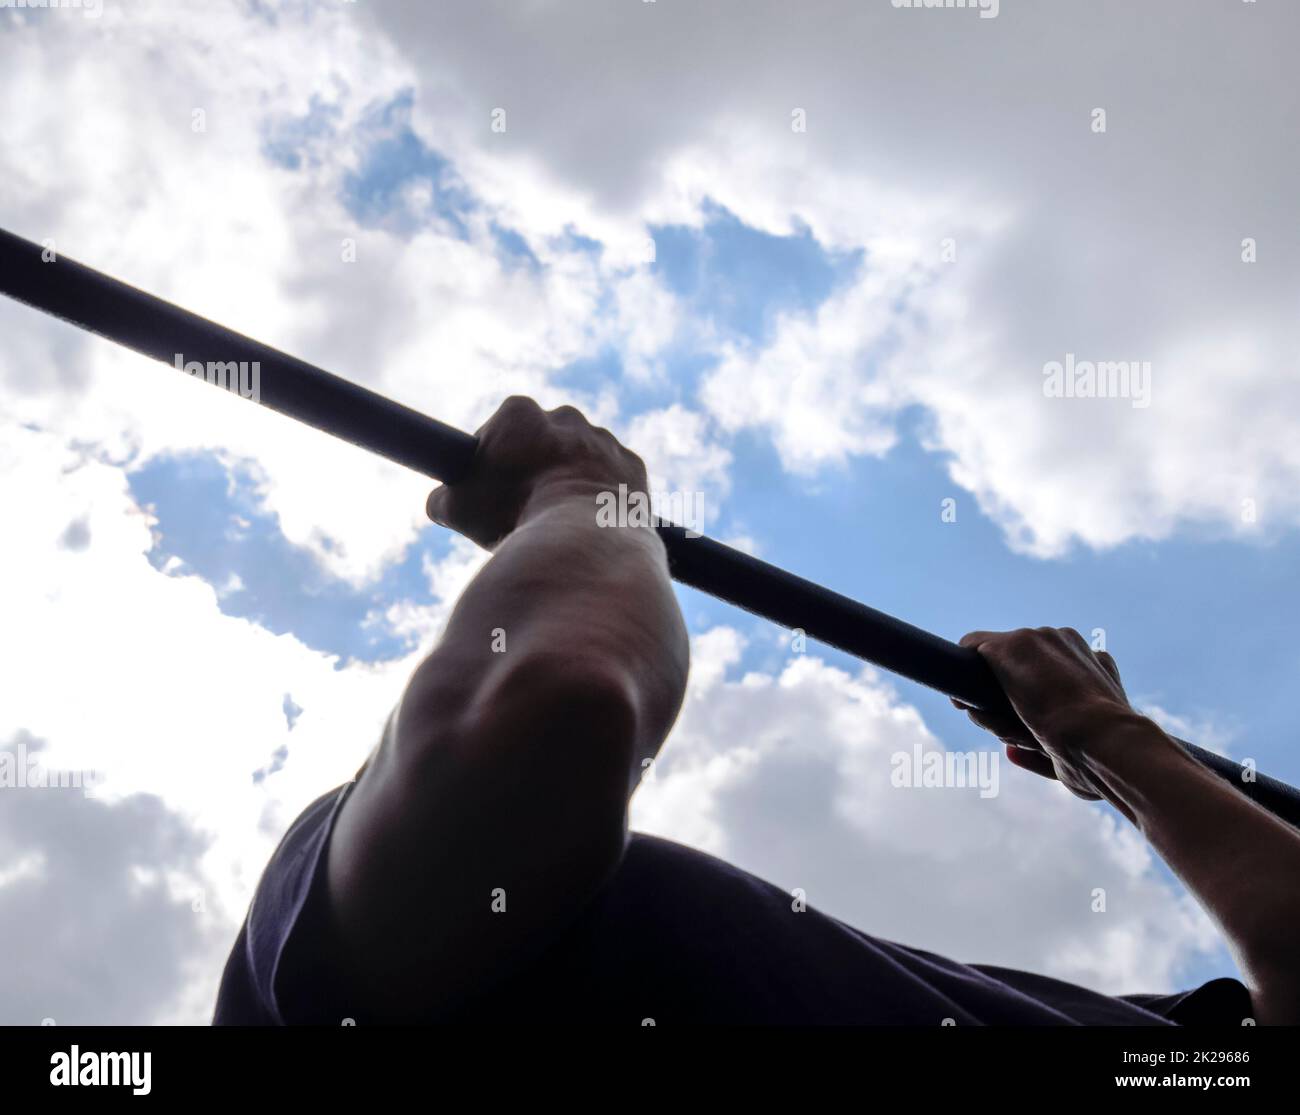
{"points": [[573, 504], [585, 495], [1138, 763], [1082, 728]]}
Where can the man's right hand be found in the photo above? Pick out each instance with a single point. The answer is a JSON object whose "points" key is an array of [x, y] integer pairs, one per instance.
{"points": [[526, 458]]}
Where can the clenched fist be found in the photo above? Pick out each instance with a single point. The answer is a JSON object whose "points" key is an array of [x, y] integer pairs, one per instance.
{"points": [[526, 455]]}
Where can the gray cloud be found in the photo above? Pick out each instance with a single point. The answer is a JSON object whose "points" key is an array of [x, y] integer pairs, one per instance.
{"points": [[77, 536], [94, 934]]}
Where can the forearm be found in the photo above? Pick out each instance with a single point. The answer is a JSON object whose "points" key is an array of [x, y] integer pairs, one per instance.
{"points": [[502, 782], [507, 771], [1242, 863], [562, 594]]}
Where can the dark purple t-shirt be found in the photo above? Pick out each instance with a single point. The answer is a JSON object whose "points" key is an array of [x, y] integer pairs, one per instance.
{"points": [[678, 936]]}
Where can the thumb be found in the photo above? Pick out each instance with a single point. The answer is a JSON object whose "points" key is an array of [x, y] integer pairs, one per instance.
{"points": [[437, 505]]}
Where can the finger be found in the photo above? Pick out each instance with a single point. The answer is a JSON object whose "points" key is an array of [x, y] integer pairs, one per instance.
{"points": [[1038, 763], [436, 506], [516, 413], [1003, 726], [1072, 636], [568, 414], [519, 405], [1033, 761], [975, 638], [1111, 667]]}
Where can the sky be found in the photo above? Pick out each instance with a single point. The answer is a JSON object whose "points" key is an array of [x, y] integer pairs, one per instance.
{"points": [[814, 262]]}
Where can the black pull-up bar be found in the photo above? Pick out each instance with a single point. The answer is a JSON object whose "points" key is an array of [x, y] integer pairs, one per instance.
{"points": [[147, 324]]}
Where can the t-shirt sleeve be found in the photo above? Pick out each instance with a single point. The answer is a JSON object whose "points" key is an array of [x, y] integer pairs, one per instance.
{"points": [[257, 987], [1220, 1002]]}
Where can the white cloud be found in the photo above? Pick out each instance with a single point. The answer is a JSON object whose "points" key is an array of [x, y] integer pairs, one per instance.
{"points": [[1208, 732], [682, 457], [123, 183], [789, 776], [1117, 246], [124, 670], [104, 916]]}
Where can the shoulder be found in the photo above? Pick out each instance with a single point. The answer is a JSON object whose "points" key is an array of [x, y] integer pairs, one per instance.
{"points": [[251, 990]]}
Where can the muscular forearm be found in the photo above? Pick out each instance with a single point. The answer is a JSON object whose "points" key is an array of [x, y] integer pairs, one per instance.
{"points": [[1241, 862], [561, 592]]}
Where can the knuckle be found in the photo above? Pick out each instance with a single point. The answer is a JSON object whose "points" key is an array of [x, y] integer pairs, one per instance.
{"points": [[515, 406], [1021, 643]]}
